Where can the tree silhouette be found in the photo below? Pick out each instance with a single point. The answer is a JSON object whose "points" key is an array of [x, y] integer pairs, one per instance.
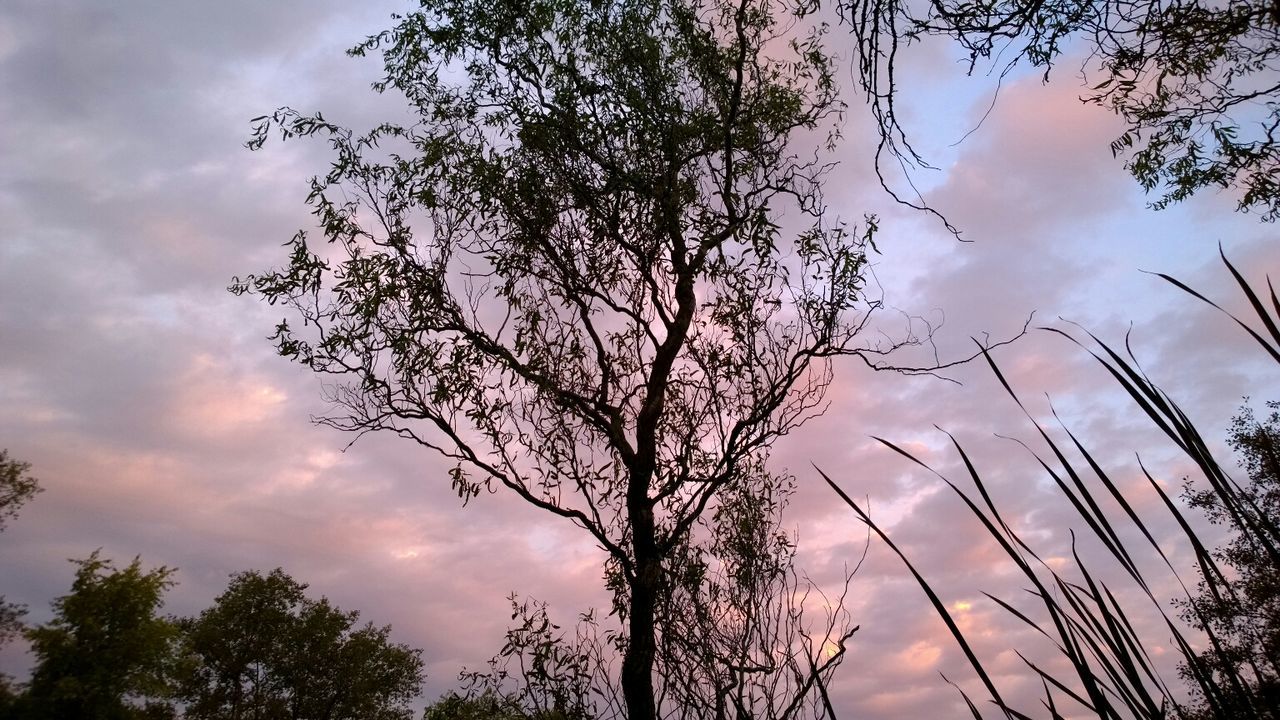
{"points": [[569, 273], [106, 654], [264, 649]]}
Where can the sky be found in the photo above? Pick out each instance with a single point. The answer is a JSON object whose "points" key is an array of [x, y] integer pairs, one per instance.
{"points": [[161, 424]]}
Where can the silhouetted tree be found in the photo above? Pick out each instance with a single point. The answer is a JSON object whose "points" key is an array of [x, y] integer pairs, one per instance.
{"points": [[745, 636], [266, 650], [486, 706], [459, 707], [568, 274], [17, 487], [106, 653]]}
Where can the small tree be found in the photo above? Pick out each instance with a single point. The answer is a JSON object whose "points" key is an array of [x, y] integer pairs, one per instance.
{"points": [[267, 650], [569, 274], [106, 653]]}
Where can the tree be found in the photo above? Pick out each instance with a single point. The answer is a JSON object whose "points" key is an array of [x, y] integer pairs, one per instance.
{"points": [[1246, 620], [106, 653], [569, 275], [17, 487], [10, 620], [267, 650], [1195, 81], [488, 706], [543, 671]]}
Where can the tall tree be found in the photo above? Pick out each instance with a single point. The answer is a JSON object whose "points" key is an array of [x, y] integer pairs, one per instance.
{"points": [[106, 653], [1195, 81], [265, 650], [569, 274]]}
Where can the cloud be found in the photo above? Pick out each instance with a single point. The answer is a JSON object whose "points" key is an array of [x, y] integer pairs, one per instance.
{"points": [[161, 423]]}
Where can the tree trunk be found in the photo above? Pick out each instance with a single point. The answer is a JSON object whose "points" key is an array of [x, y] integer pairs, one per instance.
{"points": [[637, 663]]}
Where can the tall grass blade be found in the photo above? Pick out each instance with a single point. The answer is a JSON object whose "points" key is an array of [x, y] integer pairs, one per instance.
{"points": [[1091, 625], [938, 605]]}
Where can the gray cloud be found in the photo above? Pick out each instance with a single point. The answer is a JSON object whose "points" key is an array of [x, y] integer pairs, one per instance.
{"points": [[162, 425]]}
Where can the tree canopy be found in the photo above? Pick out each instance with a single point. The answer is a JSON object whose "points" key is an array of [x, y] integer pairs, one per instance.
{"points": [[264, 649], [1195, 81], [107, 650], [489, 706]]}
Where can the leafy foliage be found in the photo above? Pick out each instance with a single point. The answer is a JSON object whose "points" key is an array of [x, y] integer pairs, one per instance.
{"points": [[17, 487], [488, 706], [544, 671], [740, 635], [1195, 81], [264, 649], [105, 648]]}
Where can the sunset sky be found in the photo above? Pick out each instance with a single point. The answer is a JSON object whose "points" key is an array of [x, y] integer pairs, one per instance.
{"points": [[161, 424]]}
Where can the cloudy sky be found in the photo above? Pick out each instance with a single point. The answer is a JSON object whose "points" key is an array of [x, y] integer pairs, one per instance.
{"points": [[161, 424]]}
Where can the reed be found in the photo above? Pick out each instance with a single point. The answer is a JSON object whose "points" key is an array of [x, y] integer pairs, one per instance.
{"points": [[1110, 673]]}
